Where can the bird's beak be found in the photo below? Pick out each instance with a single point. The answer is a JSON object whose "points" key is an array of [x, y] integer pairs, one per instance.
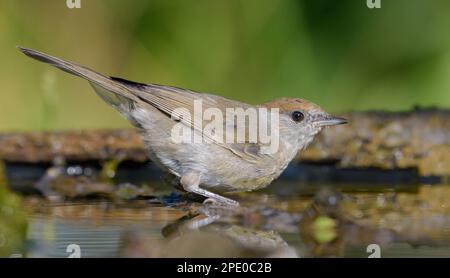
{"points": [[329, 120]]}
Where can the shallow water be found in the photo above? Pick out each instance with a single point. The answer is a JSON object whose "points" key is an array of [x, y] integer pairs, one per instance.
{"points": [[286, 220], [80, 213]]}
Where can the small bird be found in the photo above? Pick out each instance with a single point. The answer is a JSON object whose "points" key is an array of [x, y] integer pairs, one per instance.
{"points": [[204, 168]]}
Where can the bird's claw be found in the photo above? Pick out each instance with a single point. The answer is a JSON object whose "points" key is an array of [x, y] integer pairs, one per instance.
{"points": [[225, 202]]}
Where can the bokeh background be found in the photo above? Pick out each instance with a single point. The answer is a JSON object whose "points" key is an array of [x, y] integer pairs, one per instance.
{"points": [[339, 54]]}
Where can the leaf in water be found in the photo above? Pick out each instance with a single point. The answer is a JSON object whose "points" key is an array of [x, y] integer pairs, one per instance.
{"points": [[324, 229]]}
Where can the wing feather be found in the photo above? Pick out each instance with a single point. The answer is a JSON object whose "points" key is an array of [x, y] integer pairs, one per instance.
{"points": [[167, 99]]}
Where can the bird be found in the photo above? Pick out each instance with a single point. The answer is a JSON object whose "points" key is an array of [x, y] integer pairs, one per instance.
{"points": [[210, 167]]}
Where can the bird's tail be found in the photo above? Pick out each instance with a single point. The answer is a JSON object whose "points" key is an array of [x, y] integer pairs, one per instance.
{"points": [[101, 83]]}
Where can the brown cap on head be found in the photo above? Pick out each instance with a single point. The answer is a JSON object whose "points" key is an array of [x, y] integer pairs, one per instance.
{"points": [[292, 104]]}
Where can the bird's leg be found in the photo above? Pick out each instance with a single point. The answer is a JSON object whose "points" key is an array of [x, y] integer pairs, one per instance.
{"points": [[196, 224], [191, 182]]}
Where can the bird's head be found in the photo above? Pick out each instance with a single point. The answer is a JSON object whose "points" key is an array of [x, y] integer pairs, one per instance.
{"points": [[301, 120]]}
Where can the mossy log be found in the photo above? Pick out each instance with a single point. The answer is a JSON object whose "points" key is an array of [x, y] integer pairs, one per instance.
{"points": [[417, 139]]}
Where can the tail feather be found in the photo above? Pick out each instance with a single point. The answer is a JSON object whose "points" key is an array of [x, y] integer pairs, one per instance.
{"points": [[96, 79]]}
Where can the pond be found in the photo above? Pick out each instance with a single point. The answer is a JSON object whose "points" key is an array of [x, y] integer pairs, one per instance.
{"points": [[288, 219]]}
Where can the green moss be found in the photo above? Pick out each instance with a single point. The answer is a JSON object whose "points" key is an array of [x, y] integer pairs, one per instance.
{"points": [[13, 221], [109, 169]]}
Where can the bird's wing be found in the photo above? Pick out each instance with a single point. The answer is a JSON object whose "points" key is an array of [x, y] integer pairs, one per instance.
{"points": [[165, 98], [169, 100]]}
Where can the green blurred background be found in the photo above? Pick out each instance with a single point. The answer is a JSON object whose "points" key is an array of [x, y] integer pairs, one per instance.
{"points": [[339, 54]]}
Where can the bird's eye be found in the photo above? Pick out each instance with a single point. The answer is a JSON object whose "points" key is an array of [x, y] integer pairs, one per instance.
{"points": [[298, 116]]}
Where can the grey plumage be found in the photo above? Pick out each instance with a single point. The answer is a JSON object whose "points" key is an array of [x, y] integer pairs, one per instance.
{"points": [[201, 167]]}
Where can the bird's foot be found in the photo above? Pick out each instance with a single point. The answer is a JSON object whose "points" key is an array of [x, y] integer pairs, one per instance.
{"points": [[213, 207], [221, 202], [190, 182]]}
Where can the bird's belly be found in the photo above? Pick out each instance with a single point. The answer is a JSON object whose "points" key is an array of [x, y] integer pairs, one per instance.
{"points": [[220, 170], [239, 178]]}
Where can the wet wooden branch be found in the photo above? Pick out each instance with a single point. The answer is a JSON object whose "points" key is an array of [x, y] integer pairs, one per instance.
{"points": [[416, 139]]}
